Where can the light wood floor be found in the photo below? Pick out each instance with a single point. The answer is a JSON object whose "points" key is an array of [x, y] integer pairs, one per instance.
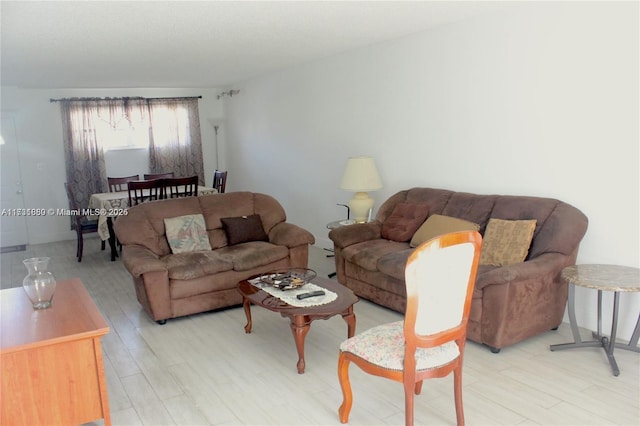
{"points": [[204, 370]]}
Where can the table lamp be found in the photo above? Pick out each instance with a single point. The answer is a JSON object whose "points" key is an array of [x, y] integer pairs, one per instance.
{"points": [[361, 176]]}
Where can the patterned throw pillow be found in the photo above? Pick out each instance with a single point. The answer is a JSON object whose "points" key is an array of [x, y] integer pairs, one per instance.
{"points": [[244, 229], [506, 242], [187, 233], [437, 225], [403, 221]]}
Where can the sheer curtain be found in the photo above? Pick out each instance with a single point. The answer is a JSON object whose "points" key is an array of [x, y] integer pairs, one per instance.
{"points": [[84, 155], [175, 143]]}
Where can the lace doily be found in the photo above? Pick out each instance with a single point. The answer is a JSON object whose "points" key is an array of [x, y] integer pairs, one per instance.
{"points": [[289, 296]]}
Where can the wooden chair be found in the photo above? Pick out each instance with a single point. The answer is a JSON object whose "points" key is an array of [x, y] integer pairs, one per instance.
{"points": [[181, 187], [141, 191], [82, 224], [440, 276], [117, 184], [158, 176], [220, 180]]}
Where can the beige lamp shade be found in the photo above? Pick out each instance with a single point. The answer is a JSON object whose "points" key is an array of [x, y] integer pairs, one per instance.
{"points": [[361, 175]]}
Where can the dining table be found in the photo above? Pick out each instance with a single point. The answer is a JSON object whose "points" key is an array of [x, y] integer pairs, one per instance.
{"points": [[107, 206]]}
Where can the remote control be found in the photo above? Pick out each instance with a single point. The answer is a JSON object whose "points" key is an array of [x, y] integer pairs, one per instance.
{"points": [[310, 294]]}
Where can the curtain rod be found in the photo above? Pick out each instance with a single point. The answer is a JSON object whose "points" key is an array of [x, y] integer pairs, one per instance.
{"points": [[123, 98]]}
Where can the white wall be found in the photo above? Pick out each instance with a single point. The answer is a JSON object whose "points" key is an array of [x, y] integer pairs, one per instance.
{"points": [[39, 134], [540, 99]]}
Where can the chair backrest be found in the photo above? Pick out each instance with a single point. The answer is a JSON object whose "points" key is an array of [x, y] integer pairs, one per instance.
{"points": [[220, 181], [440, 276], [117, 184], [157, 175], [141, 191], [181, 187]]}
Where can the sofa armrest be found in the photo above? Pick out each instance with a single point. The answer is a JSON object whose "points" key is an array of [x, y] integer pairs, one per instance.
{"points": [[140, 260], [531, 297], [545, 264], [356, 233], [290, 235]]}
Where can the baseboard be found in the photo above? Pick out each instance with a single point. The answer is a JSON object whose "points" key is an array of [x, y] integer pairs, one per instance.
{"points": [[12, 249]]}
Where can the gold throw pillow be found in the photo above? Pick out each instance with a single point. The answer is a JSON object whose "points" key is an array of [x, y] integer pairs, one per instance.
{"points": [[506, 242]]}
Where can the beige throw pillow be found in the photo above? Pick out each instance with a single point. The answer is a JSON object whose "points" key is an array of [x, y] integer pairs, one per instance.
{"points": [[187, 233], [506, 242], [437, 225]]}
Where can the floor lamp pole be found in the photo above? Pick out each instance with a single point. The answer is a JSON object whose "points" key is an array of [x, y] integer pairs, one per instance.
{"points": [[215, 128]]}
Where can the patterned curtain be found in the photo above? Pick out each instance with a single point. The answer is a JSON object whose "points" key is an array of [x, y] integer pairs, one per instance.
{"points": [[175, 144], [84, 157]]}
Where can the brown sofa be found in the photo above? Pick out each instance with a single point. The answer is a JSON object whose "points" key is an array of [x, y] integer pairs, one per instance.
{"points": [[172, 285], [510, 303]]}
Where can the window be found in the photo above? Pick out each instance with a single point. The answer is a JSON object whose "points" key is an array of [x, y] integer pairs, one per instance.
{"points": [[123, 134], [168, 127]]}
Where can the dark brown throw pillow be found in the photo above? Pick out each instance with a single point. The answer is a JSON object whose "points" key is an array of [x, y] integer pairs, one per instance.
{"points": [[243, 229], [404, 221]]}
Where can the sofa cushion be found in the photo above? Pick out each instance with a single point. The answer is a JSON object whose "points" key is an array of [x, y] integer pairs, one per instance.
{"points": [[187, 266], [186, 233], [393, 264], [243, 229], [506, 242], [253, 254], [403, 222], [367, 253], [437, 225]]}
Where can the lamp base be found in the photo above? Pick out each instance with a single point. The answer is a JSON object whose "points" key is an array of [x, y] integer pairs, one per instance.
{"points": [[360, 205]]}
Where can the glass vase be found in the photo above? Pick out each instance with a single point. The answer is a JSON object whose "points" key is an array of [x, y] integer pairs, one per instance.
{"points": [[39, 284]]}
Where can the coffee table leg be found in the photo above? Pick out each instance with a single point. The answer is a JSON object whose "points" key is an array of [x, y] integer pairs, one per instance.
{"points": [[300, 328], [246, 304], [350, 319]]}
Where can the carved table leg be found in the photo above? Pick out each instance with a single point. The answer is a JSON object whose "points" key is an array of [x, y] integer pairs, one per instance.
{"points": [[246, 304], [300, 327], [350, 319]]}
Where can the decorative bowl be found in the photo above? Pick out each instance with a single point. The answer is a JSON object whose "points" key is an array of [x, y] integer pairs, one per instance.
{"points": [[289, 278]]}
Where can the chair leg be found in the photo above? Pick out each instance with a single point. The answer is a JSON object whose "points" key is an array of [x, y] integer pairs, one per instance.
{"points": [[457, 391], [345, 385], [77, 244], [409, 397], [80, 247]]}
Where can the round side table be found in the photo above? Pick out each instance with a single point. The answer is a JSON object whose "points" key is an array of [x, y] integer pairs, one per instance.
{"points": [[602, 278]]}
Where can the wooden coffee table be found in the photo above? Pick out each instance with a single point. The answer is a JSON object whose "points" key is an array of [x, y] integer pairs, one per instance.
{"points": [[301, 317]]}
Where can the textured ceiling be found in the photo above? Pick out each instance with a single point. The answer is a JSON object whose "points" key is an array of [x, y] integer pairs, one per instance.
{"points": [[88, 44]]}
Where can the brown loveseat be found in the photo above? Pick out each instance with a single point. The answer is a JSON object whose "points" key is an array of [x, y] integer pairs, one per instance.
{"points": [[171, 285], [510, 303]]}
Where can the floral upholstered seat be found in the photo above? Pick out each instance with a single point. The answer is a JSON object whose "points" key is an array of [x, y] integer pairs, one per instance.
{"points": [[384, 346]]}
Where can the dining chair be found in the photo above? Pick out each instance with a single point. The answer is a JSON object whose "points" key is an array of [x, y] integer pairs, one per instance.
{"points": [[440, 275], [141, 191], [158, 175], [220, 180], [82, 224], [181, 187], [117, 184]]}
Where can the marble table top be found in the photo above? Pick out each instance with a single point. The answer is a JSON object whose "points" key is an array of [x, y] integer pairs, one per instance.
{"points": [[603, 277]]}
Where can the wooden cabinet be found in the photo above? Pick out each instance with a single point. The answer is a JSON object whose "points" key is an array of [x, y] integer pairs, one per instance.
{"points": [[51, 359]]}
